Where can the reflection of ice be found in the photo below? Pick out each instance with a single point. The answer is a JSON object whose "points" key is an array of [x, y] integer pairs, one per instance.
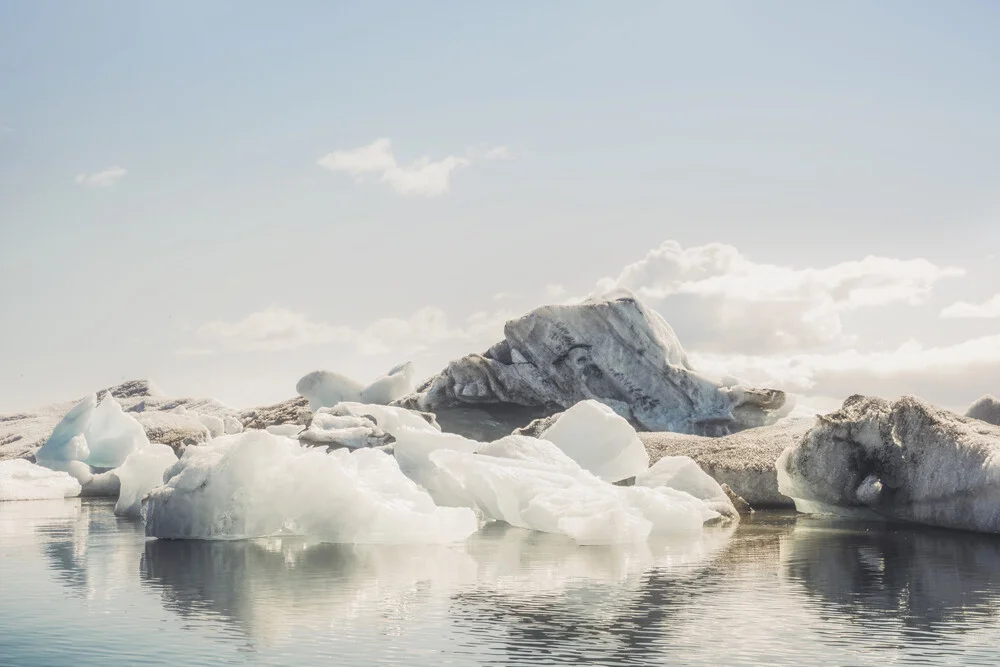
{"points": [[924, 578], [74, 538], [270, 588]]}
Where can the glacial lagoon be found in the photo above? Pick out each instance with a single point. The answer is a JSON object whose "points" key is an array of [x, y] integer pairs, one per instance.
{"points": [[83, 587]]}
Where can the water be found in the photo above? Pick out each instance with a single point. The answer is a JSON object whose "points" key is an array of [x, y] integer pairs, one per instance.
{"points": [[80, 587]]}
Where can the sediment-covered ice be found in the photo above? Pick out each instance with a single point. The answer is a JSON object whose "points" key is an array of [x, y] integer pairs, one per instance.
{"points": [[612, 349], [23, 480], [601, 441], [904, 460], [141, 472], [532, 483], [256, 484]]}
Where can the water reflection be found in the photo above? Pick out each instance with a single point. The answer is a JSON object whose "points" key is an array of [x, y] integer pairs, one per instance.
{"points": [[924, 578], [269, 587]]}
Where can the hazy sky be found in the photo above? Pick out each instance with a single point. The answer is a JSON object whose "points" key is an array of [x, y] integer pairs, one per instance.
{"points": [[224, 196]]}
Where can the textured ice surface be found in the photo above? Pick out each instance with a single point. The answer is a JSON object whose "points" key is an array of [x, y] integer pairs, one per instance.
{"points": [[601, 441], [746, 461], [22, 480], [141, 472], [325, 389], [532, 483], [256, 484], [611, 349], [397, 383], [683, 474], [67, 443], [390, 419], [904, 460], [985, 408]]}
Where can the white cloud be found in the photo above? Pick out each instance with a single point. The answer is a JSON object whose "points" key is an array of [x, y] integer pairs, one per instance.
{"points": [[420, 178], [101, 179], [733, 303], [989, 309], [273, 329], [498, 153], [553, 290], [194, 352]]}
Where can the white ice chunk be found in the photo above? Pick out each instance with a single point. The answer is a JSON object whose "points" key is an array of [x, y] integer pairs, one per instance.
{"points": [[67, 442], [215, 425], [390, 419], [397, 383], [287, 430], [23, 480], [142, 472], [325, 389], [232, 425], [112, 435], [412, 451], [256, 484], [681, 473], [600, 440]]}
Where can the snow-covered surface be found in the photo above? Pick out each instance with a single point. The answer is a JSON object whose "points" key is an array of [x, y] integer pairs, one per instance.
{"points": [[904, 460], [141, 472], [600, 440], [746, 461], [611, 349], [256, 484], [22, 480], [985, 408]]}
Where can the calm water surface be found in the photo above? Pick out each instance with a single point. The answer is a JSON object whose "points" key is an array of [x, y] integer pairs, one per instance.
{"points": [[80, 587]]}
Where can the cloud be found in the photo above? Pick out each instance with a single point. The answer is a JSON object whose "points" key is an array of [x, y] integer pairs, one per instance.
{"points": [[989, 309], [553, 290], [420, 178], [194, 352], [498, 153], [273, 329], [728, 302], [101, 179]]}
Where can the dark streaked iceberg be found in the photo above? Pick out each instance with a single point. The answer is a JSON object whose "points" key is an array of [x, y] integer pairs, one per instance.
{"points": [[612, 349]]}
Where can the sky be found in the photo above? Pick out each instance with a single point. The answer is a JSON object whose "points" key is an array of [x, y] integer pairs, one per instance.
{"points": [[225, 196]]}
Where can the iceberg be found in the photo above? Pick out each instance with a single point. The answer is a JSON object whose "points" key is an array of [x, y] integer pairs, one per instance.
{"points": [[324, 389], [744, 461], [904, 460], [257, 484], [141, 472], [611, 349], [985, 408], [23, 480], [600, 440], [532, 483], [395, 384], [89, 437]]}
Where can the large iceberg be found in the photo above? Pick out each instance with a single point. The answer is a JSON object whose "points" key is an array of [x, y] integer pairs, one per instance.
{"points": [[612, 349], [256, 484], [23, 480], [904, 460]]}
